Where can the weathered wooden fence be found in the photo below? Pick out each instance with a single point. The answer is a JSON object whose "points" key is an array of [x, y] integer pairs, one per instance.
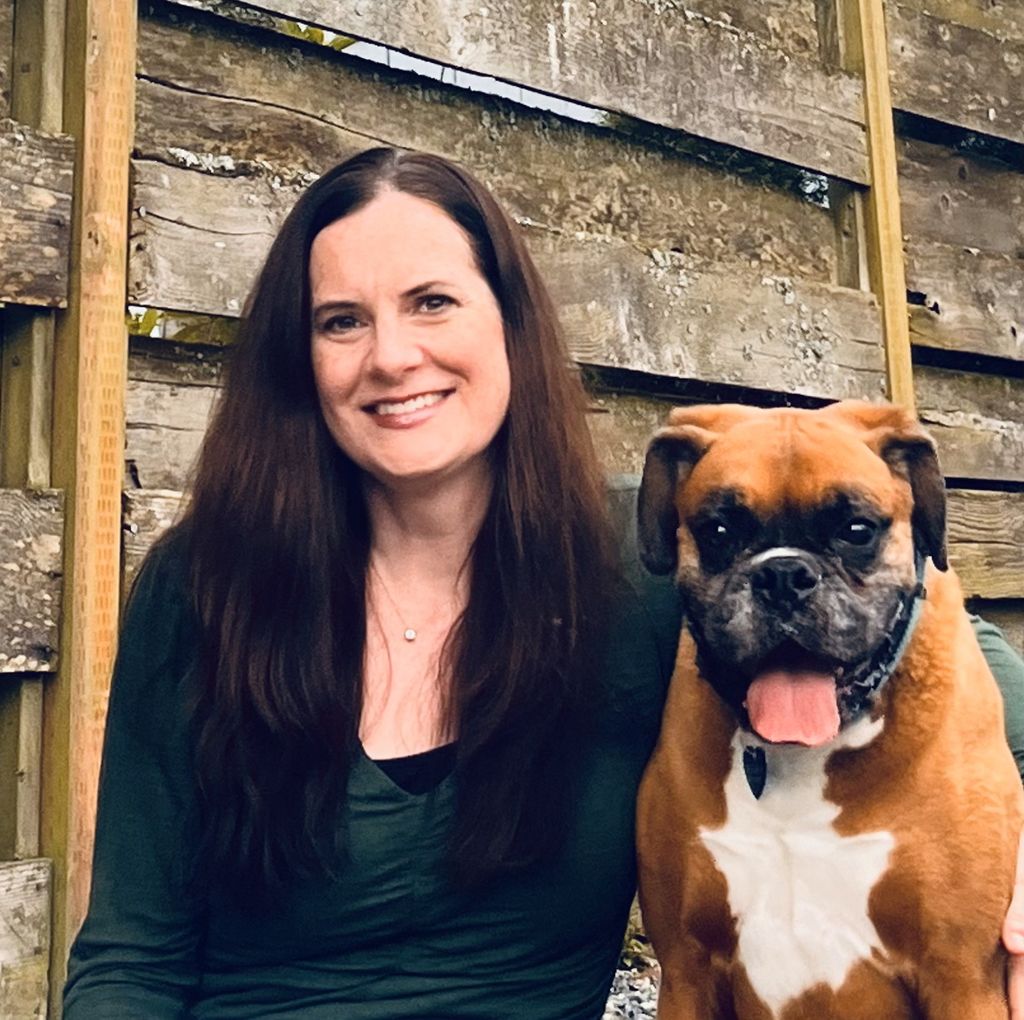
{"points": [[724, 223]]}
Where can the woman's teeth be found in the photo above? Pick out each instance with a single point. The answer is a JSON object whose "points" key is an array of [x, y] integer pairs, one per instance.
{"points": [[407, 406]]}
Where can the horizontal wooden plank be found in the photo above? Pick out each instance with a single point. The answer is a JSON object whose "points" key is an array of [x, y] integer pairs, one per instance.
{"points": [[148, 513], [203, 81], [1003, 19], [168, 404], [662, 315], [31, 536], [36, 172], [963, 219], [199, 238], [966, 74], [977, 420], [967, 300], [986, 537], [24, 938], [662, 63], [957, 197]]}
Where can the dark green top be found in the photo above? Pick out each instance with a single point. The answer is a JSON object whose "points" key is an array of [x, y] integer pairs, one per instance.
{"points": [[388, 939]]}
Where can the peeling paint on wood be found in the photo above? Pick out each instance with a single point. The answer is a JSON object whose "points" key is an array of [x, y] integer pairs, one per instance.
{"points": [[967, 75], [24, 939], [35, 215], [652, 59], [31, 536], [202, 83]]}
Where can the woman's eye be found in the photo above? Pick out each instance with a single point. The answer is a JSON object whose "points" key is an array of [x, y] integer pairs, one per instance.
{"points": [[857, 532], [435, 302], [339, 324]]}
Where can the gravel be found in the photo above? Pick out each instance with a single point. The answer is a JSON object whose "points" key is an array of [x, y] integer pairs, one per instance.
{"points": [[634, 994]]}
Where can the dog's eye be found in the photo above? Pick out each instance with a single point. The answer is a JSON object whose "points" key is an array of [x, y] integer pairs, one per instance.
{"points": [[859, 531]]}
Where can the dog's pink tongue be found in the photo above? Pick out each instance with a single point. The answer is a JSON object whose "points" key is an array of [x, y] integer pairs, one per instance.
{"points": [[794, 706]]}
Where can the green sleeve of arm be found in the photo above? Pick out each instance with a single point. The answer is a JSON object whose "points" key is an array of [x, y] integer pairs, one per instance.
{"points": [[1008, 669], [137, 954]]}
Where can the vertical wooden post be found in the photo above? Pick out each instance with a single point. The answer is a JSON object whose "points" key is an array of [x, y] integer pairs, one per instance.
{"points": [[26, 392], [862, 26], [88, 444]]}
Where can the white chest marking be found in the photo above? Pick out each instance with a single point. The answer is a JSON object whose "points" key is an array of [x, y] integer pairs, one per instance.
{"points": [[799, 890]]}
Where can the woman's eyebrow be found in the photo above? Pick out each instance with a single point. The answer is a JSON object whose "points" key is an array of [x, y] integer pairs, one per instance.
{"points": [[422, 288], [333, 306]]}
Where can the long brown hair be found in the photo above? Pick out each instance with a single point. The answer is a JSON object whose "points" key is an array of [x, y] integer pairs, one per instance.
{"points": [[279, 542]]}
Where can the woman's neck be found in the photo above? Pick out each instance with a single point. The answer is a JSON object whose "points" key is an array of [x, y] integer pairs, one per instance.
{"points": [[421, 534]]}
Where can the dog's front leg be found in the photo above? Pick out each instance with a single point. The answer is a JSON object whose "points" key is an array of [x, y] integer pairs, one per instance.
{"points": [[688, 984]]}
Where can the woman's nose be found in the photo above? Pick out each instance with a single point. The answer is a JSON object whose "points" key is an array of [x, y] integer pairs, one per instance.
{"points": [[396, 347]]}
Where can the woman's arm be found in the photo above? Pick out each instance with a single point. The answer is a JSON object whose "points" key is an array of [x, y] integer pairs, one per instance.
{"points": [[1008, 669], [137, 954]]}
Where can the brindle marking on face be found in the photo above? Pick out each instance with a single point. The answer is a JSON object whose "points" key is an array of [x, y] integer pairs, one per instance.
{"points": [[804, 484]]}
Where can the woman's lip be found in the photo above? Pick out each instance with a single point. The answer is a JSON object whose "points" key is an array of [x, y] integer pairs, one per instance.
{"points": [[371, 408], [408, 419]]}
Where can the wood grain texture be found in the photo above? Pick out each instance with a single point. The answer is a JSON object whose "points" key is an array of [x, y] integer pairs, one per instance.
{"points": [[986, 537], [148, 513], [31, 530], [655, 312], [35, 215], [970, 74], [963, 216], [170, 395], [883, 224], [6, 54], [657, 60], [88, 448], [977, 421], [969, 300], [254, 105], [24, 939]]}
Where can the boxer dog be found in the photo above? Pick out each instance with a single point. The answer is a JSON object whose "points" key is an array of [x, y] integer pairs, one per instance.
{"points": [[827, 829]]}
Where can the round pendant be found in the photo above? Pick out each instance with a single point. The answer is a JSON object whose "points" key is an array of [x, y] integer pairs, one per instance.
{"points": [[410, 634]]}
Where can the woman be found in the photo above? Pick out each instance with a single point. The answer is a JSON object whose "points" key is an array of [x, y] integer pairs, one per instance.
{"points": [[391, 641]]}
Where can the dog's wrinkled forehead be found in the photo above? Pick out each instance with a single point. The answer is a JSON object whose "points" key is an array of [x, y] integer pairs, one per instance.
{"points": [[791, 463], [788, 458]]}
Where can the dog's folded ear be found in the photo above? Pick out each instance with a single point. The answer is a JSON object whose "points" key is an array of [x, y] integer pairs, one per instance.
{"points": [[899, 439], [671, 456]]}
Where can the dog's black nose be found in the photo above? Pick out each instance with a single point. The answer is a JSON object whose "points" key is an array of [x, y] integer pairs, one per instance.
{"points": [[784, 580]]}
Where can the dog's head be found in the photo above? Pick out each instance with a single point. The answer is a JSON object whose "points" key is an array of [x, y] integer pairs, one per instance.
{"points": [[792, 535]]}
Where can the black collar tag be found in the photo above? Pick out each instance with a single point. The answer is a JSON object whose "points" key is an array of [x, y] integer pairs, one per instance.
{"points": [[755, 766]]}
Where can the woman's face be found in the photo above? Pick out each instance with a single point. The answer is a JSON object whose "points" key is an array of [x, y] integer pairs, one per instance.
{"points": [[408, 345]]}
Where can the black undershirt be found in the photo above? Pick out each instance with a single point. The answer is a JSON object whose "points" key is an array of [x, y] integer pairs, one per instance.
{"points": [[418, 773]]}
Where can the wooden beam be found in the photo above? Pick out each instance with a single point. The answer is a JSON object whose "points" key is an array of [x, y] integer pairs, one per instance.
{"points": [[866, 42], [666, 65], [26, 405], [88, 445], [24, 938]]}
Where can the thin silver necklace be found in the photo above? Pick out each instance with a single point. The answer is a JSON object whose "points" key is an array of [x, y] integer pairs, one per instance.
{"points": [[409, 633]]}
